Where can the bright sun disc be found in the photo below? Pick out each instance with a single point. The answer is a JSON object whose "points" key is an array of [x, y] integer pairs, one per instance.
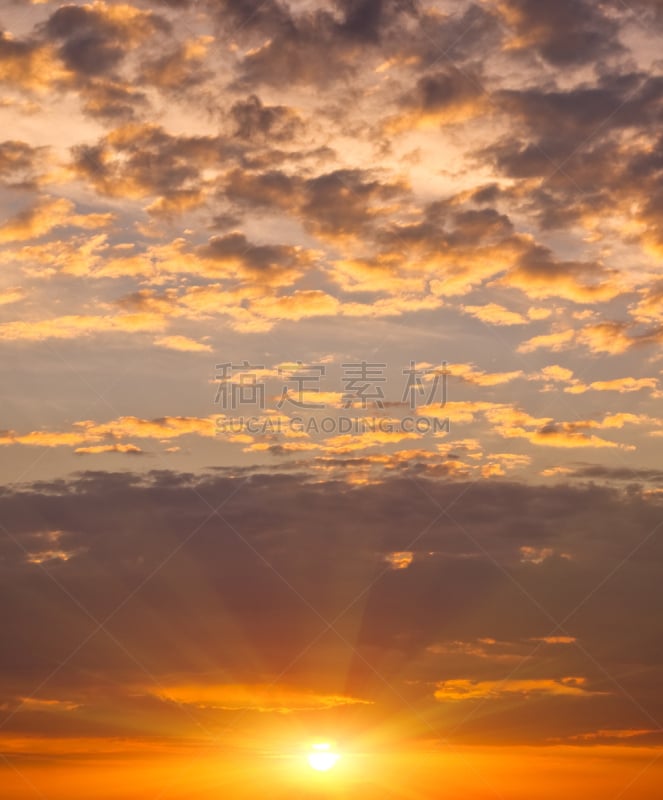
{"points": [[322, 759]]}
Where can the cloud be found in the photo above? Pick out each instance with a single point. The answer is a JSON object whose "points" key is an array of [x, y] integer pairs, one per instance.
{"points": [[649, 308], [181, 68], [73, 326], [615, 337], [140, 160], [111, 100], [27, 64], [469, 373], [49, 213], [353, 530], [494, 314], [88, 433], [79, 254], [314, 47], [556, 639], [449, 96], [608, 337], [607, 473], [512, 422], [94, 38], [400, 560], [233, 254], [540, 275], [256, 121], [11, 295], [183, 344], [555, 341], [97, 449], [567, 33], [337, 204], [458, 690], [267, 698], [19, 163], [37, 704], [615, 735], [621, 385]]}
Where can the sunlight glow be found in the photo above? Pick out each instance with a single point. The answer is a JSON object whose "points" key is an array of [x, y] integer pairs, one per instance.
{"points": [[322, 758]]}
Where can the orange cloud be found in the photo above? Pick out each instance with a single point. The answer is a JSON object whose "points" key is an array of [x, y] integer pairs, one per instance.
{"points": [[11, 295], [498, 464], [183, 344], [28, 65], [458, 690], [264, 698], [535, 555], [345, 443], [610, 338], [469, 373], [555, 341], [621, 385], [49, 213], [73, 326], [43, 705], [494, 314], [457, 411], [400, 559], [105, 437], [93, 450], [512, 422], [622, 733], [79, 255]]}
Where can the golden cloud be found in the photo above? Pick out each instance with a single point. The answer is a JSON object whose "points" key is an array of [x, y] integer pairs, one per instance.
{"points": [[459, 690], [265, 698], [182, 344], [47, 214]]}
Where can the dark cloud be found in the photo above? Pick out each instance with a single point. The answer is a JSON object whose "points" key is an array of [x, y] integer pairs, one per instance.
{"points": [[444, 227], [270, 16], [93, 40], [447, 96], [254, 120], [447, 88], [320, 46], [643, 13], [454, 38], [348, 38], [89, 46], [570, 117], [19, 162], [596, 149], [365, 19], [539, 262], [480, 226], [176, 71], [564, 33], [112, 100], [628, 474], [145, 160], [341, 202], [246, 591], [259, 262]]}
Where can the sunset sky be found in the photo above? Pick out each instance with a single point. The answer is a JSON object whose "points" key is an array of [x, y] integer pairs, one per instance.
{"points": [[331, 337]]}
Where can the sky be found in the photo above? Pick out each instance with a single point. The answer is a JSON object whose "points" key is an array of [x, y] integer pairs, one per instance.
{"points": [[331, 342]]}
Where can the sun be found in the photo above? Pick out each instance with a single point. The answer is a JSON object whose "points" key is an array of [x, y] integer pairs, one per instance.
{"points": [[322, 758]]}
